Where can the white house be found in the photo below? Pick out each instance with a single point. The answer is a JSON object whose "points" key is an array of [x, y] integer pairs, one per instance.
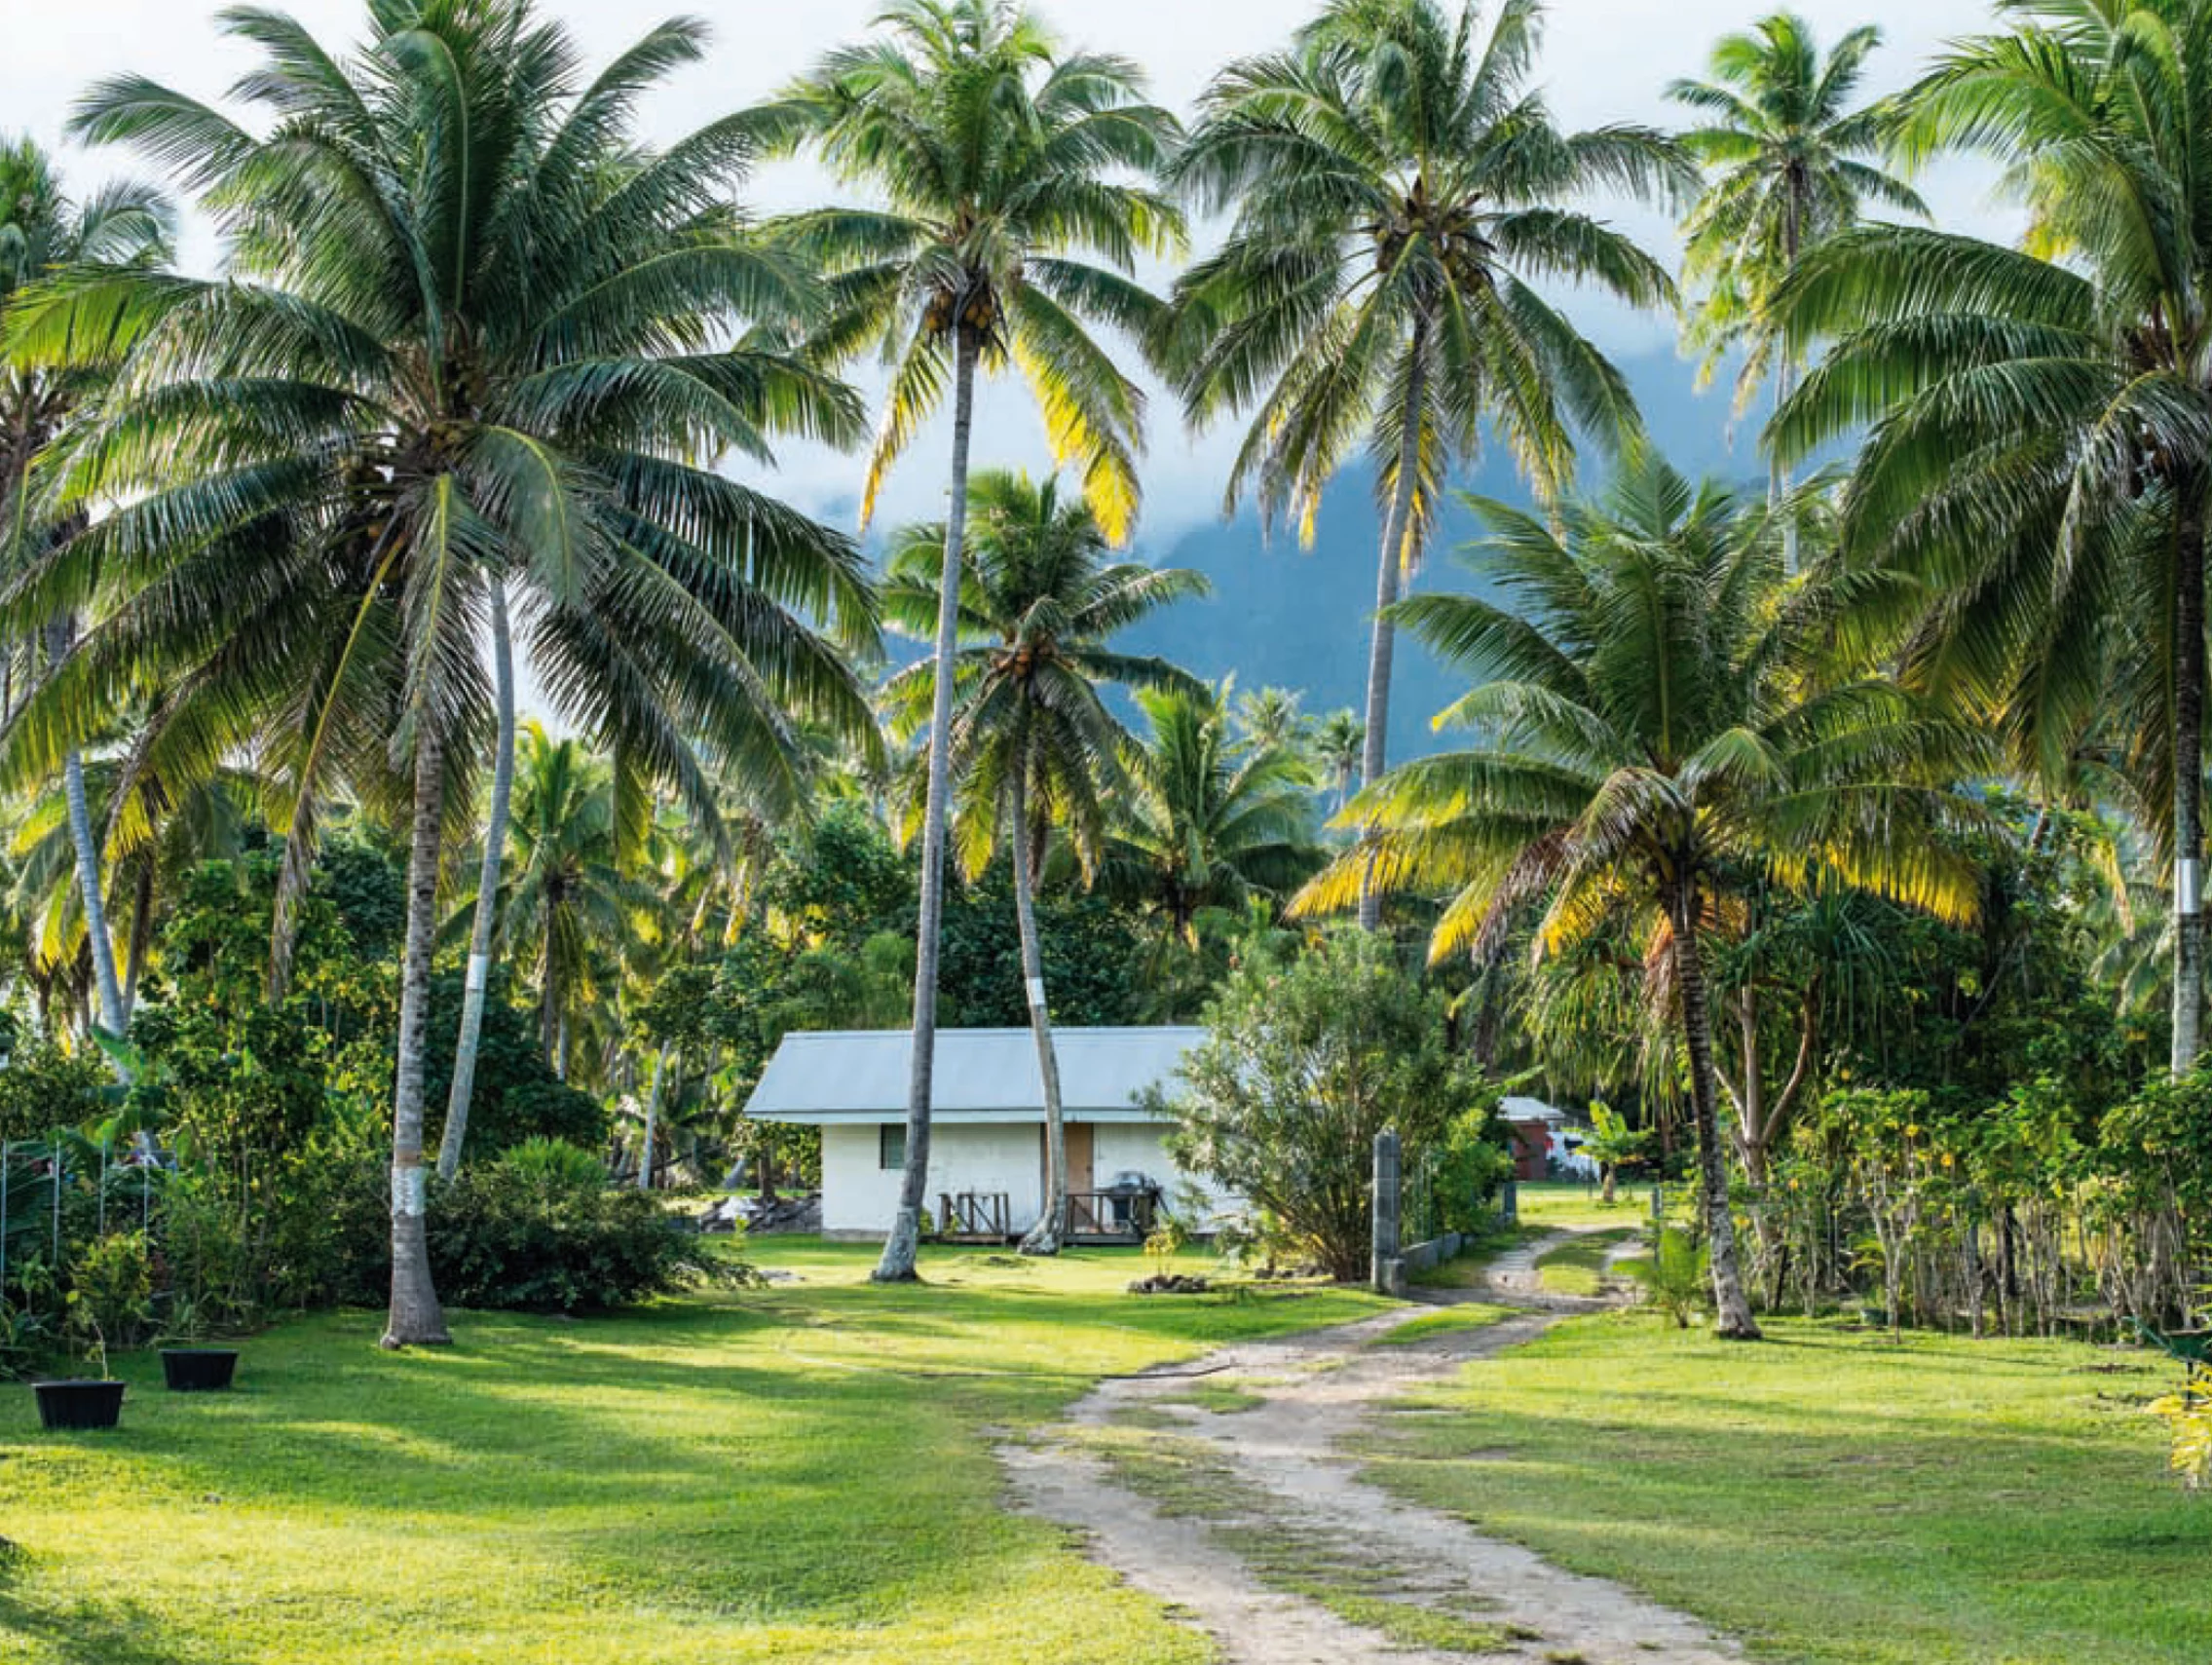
{"points": [[987, 1127]]}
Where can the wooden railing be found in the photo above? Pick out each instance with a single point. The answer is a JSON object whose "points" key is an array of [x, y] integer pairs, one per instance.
{"points": [[974, 1216], [1116, 1215]]}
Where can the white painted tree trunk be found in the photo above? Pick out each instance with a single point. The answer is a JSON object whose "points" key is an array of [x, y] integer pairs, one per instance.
{"points": [[652, 1119], [903, 1246], [416, 1319]]}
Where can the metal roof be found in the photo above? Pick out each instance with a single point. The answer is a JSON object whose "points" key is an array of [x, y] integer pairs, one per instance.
{"points": [[980, 1074]]}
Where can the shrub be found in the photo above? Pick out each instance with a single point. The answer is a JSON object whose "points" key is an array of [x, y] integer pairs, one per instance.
{"points": [[111, 1292], [1306, 1062], [1676, 1277], [539, 1231], [1471, 1162]]}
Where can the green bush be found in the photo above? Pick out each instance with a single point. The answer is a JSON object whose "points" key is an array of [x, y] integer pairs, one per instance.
{"points": [[539, 1231]]}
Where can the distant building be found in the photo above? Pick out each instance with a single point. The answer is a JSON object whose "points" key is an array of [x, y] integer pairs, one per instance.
{"points": [[1543, 1142], [987, 1172]]}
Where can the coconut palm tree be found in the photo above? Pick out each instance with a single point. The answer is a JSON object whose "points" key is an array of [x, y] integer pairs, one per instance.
{"points": [[2041, 449], [1270, 718], [1205, 824], [473, 332], [1002, 163], [44, 232], [1396, 188], [1656, 710], [1790, 159], [1033, 746], [1338, 744]]}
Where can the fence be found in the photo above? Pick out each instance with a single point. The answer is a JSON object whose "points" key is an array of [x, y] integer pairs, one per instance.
{"points": [[46, 1207]]}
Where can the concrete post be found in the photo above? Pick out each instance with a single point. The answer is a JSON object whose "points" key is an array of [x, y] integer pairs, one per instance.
{"points": [[1389, 1272], [1508, 1202]]}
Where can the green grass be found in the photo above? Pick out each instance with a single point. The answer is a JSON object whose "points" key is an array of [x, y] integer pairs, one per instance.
{"points": [[1834, 1498], [1446, 1322], [1579, 1268], [1551, 1205], [796, 1473]]}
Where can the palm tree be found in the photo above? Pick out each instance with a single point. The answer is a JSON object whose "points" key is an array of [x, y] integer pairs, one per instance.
{"points": [[1000, 161], [1032, 745], [1338, 744], [1396, 188], [44, 232], [1271, 717], [1790, 162], [1205, 824], [1655, 711], [472, 333], [2041, 454]]}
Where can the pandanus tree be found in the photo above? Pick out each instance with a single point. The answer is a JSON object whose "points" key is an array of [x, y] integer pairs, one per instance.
{"points": [[473, 334], [1033, 746], [1790, 159], [1656, 710], [1397, 194], [2039, 419], [1012, 210], [44, 233]]}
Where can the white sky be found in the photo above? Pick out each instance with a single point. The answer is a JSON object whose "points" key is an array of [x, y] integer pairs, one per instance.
{"points": [[1603, 59]]}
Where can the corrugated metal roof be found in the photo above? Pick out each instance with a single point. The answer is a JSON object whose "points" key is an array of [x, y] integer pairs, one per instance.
{"points": [[990, 1072]]}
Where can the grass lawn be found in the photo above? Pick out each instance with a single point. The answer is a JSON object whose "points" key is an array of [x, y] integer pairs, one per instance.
{"points": [[1552, 1204], [1832, 1498], [1579, 1268], [796, 1473]]}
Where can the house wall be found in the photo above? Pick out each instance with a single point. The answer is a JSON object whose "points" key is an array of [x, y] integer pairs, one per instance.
{"points": [[859, 1198]]}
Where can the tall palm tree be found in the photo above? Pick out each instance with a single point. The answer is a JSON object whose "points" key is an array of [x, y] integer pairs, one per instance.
{"points": [[2041, 451], [1001, 163], [1655, 711], [565, 912], [1396, 188], [1203, 822], [44, 232], [472, 331], [1791, 160], [1032, 743], [1270, 718]]}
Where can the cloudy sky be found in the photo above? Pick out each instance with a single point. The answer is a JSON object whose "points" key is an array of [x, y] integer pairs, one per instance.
{"points": [[1604, 60]]}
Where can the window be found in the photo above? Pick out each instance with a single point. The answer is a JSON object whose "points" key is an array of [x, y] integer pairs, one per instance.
{"points": [[890, 1146]]}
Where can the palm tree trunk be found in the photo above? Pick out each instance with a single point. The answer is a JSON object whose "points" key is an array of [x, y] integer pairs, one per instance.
{"points": [[1382, 653], [2189, 782], [652, 1119], [904, 1244], [142, 933], [92, 892], [487, 893], [416, 1318], [1786, 377], [1044, 1237], [1731, 1311]]}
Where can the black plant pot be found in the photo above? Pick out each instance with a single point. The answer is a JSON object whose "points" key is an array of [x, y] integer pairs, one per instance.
{"points": [[79, 1404], [198, 1370]]}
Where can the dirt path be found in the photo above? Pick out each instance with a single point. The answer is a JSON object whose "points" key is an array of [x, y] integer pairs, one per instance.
{"points": [[1221, 1489]]}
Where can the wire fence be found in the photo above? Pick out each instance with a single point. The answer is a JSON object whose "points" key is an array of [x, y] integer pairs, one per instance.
{"points": [[56, 1191]]}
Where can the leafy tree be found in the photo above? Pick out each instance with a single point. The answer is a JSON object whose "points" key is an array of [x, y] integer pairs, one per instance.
{"points": [[1612, 1143], [1395, 188], [466, 336], [1789, 160], [1306, 1062], [1654, 713], [1032, 743], [2041, 451], [1003, 160]]}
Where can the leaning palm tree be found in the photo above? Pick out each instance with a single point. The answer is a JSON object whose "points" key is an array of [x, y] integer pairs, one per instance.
{"points": [[1001, 162], [1791, 160], [1655, 711], [44, 232], [1032, 743], [2041, 447], [472, 333], [1396, 190], [1206, 824]]}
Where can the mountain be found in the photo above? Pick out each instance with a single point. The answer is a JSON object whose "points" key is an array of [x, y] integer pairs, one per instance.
{"points": [[1286, 617]]}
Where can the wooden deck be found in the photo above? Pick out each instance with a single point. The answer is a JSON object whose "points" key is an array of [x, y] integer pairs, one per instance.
{"points": [[1094, 1217]]}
